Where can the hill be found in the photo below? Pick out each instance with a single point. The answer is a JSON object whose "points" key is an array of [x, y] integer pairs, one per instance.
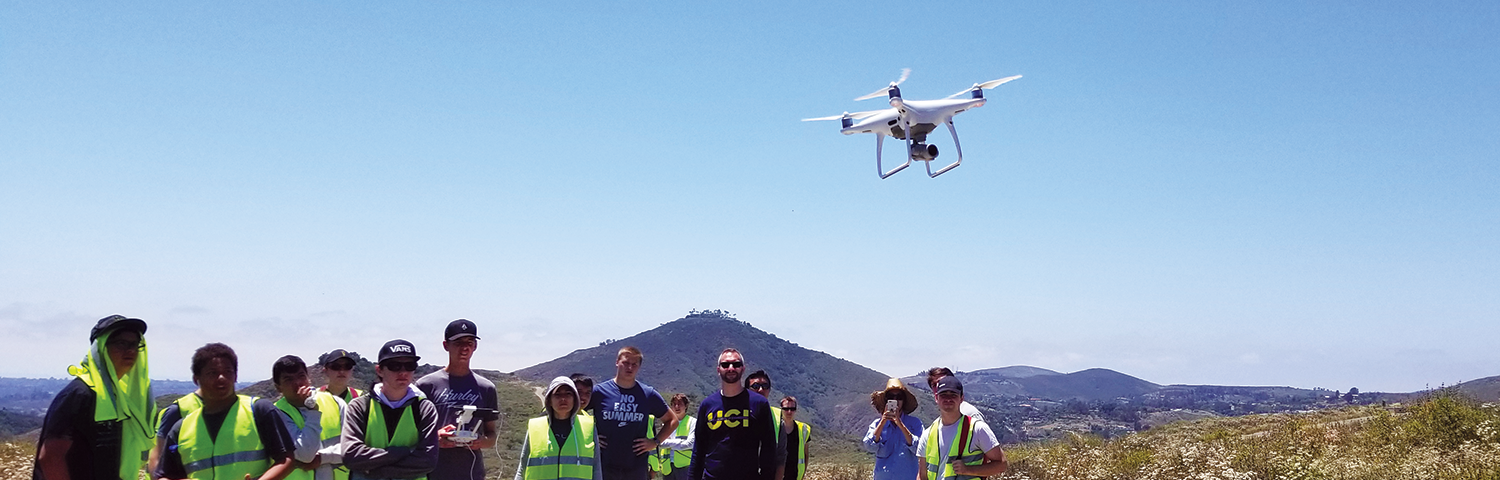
{"points": [[1485, 389], [1093, 384], [833, 393], [1022, 382], [1015, 371]]}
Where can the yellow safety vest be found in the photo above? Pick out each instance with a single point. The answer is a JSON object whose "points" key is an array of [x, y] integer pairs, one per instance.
{"points": [[803, 432], [406, 428], [185, 405], [331, 425], [776, 420], [349, 395], [654, 460], [970, 455], [679, 458], [573, 460], [236, 452]]}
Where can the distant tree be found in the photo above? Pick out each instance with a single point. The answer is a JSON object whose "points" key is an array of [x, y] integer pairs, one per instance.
{"points": [[1351, 396]]}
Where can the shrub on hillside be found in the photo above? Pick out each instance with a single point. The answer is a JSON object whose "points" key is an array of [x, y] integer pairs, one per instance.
{"points": [[1445, 436]]}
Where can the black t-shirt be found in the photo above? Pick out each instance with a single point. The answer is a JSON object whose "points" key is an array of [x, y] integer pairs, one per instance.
{"points": [[273, 436], [95, 453], [561, 429], [791, 454]]}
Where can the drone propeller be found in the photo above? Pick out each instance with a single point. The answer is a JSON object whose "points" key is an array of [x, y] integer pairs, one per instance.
{"points": [[855, 116], [905, 72], [986, 85]]}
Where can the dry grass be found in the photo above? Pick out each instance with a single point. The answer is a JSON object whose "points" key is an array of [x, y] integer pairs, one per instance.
{"points": [[1442, 438], [15, 460]]}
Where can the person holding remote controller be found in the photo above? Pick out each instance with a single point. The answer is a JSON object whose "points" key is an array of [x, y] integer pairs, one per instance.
{"points": [[467, 404]]}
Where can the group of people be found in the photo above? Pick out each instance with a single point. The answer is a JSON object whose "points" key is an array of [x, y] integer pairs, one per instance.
{"points": [[957, 445], [609, 430], [105, 425]]}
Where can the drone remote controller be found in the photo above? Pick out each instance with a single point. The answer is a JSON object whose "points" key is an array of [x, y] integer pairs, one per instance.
{"points": [[461, 436]]}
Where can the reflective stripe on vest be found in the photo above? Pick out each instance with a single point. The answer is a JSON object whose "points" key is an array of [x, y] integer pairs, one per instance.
{"points": [[573, 460], [803, 432], [236, 451], [935, 458], [378, 436]]}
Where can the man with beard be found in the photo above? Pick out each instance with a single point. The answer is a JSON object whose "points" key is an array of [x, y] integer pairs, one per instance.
{"points": [[735, 437]]}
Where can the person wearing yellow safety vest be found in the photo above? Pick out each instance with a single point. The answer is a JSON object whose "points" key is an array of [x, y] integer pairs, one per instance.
{"points": [[391, 432], [760, 382], [231, 436], [166, 418], [676, 452], [338, 367], [957, 446], [99, 425], [560, 445], [796, 435], [313, 418]]}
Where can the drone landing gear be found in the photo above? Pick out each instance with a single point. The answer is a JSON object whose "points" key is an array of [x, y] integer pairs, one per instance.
{"points": [[880, 169], [917, 149], [956, 147]]}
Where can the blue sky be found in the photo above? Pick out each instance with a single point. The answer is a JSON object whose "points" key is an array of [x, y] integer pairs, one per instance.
{"points": [[1190, 192]]}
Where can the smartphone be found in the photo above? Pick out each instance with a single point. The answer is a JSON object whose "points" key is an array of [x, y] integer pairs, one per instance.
{"points": [[890, 406]]}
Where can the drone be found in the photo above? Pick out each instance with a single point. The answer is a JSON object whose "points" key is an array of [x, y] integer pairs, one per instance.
{"points": [[912, 120]]}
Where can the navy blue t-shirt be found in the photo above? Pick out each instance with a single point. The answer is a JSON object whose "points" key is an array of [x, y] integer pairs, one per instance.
{"points": [[620, 417]]}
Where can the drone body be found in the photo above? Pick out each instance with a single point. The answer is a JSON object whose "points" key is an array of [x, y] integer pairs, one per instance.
{"points": [[912, 120]]}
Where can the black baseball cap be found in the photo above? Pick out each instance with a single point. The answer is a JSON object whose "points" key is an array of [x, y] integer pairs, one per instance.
{"points": [[398, 348], [117, 322], [335, 355], [949, 384], [460, 328]]}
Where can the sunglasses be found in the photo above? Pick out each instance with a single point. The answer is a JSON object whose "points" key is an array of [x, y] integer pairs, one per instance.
{"points": [[126, 346], [760, 386], [339, 366], [731, 364], [400, 366], [789, 409]]}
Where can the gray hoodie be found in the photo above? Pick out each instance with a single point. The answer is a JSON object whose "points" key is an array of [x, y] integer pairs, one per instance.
{"points": [[547, 407]]}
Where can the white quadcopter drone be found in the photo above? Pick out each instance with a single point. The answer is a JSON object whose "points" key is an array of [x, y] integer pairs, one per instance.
{"points": [[912, 120]]}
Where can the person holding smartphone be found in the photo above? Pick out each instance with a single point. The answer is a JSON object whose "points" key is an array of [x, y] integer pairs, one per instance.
{"points": [[893, 437], [957, 445]]}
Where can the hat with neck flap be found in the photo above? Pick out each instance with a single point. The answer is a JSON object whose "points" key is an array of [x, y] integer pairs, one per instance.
{"points": [[126, 399]]}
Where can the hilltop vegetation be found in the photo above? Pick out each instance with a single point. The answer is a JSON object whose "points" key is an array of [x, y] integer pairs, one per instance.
{"points": [[1445, 436]]}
